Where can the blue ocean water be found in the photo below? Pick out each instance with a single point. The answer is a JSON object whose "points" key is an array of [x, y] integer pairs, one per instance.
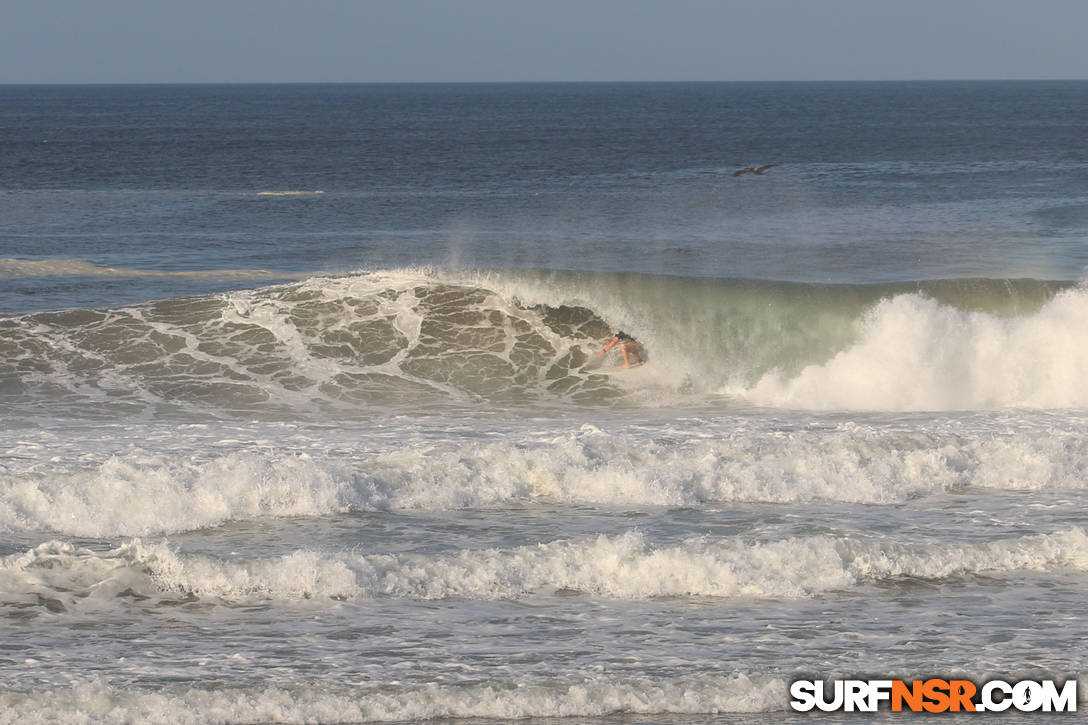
{"points": [[302, 421]]}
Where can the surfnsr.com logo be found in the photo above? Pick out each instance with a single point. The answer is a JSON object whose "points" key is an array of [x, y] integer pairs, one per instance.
{"points": [[933, 695]]}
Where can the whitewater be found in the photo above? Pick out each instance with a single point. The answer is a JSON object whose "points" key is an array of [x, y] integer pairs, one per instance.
{"points": [[180, 459], [270, 454], [520, 337]]}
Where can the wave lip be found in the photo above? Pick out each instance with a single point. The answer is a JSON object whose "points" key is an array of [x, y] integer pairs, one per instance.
{"points": [[417, 338], [624, 566]]}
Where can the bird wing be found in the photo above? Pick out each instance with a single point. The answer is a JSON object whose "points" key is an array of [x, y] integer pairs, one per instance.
{"points": [[763, 168]]}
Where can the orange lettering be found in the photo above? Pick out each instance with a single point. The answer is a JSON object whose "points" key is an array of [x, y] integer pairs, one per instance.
{"points": [[912, 695], [961, 692], [936, 691]]}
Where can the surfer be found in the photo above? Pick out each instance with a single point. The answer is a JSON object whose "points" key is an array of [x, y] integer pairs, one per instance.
{"points": [[629, 346]]}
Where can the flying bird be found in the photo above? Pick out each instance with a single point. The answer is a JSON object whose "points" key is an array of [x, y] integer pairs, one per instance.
{"points": [[753, 169]]}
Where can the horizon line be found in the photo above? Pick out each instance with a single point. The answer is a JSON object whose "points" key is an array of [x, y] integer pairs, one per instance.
{"points": [[533, 82]]}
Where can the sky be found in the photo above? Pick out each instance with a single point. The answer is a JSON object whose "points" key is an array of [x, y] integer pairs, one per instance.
{"points": [[268, 41]]}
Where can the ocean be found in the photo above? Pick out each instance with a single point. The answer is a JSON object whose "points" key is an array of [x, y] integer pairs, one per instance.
{"points": [[302, 420]]}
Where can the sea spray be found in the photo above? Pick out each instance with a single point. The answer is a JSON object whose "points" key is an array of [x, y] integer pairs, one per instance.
{"points": [[913, 353], [348, 346]]}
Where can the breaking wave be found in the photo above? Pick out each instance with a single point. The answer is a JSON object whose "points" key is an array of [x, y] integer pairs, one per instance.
{"points": [[141, 493], [346, 345], [61, 576]]}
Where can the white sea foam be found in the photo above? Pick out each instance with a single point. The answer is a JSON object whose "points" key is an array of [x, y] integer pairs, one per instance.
{"points": [[915, 354], [99, 702], [952, 345], [624, 566], [140, 493], [414, 338]]}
